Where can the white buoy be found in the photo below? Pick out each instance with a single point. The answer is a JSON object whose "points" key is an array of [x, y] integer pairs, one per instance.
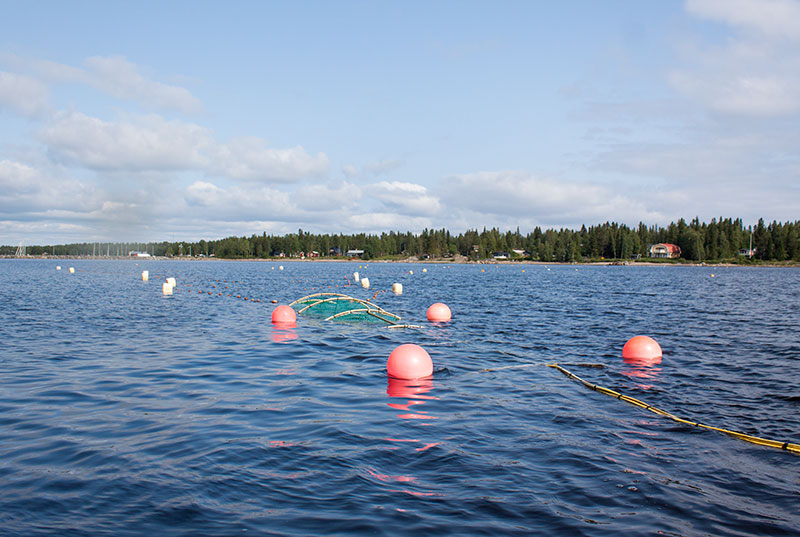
{"points": [[397, 288], [172, 282], [166, 288], [72, 270], [411, 272], [365, 283], [145, 275], [355, 276], [424, 270], [58, 267], [280, 268]]}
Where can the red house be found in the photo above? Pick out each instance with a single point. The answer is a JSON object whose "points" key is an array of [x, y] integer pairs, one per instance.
{"points": [[665, 249]]}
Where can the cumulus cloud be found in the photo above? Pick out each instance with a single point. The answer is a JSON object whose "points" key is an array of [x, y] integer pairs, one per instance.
{"points": [[112, 75], [756, 72], [326, 198], [22, 94], [520, 196], [772, 18], [149, 143], [377, 222], [405, 198], [238, 203], [371, 169], [249, 158], [17, 177], [154, 143], [122, 79], [26, 190]]}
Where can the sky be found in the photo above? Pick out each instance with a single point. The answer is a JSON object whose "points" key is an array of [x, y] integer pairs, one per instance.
{"points": [[150, 120]]}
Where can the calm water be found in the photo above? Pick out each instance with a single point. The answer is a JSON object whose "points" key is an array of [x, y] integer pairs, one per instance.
{"points": [[124, 412]]}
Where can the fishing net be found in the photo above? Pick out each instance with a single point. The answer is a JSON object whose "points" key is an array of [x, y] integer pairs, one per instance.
{"points": [[338, 307]]}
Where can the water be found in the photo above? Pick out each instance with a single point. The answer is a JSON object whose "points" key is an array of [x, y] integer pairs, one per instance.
{"points": [[124, 412]]}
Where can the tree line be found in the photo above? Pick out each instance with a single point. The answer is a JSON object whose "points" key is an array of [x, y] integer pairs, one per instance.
{"points": [[718, 240]]}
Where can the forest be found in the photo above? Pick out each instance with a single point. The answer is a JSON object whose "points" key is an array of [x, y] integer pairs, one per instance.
{"points": [[719, 240]]}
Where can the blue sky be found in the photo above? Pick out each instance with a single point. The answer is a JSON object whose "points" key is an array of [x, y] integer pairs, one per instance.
{"points": [[187, 120]]}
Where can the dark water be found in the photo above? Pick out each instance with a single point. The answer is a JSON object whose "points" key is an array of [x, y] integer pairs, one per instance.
{"points": [[124, 412]]}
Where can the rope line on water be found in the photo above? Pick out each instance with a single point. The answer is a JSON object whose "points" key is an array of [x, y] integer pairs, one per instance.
{"points": [[785, 446]]}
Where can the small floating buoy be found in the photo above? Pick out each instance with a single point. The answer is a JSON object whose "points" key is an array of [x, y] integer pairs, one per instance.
{"points": [[145, 275], [58, 267], [409, 361], [424, 270], [397, 288], [72, 270], [355, 276], [411, 272], [280, 267], [274, 301], [365, 283], [642, 348], [283, 314], [439, 312], [166, 288], [712, 275]]}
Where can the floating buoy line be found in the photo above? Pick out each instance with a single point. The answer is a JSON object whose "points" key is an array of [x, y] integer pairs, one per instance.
{"points": [[785, 446]]}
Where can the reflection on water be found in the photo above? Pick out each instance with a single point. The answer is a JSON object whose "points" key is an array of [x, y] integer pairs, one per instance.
{"points": [[283, 332], [413, 391], [643, 368], [124, 412]]}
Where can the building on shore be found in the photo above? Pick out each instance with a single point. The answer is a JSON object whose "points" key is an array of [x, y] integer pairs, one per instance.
{"points": [[665, 250]]}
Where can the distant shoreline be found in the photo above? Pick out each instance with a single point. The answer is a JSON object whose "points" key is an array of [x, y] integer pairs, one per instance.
{"points": [[412, 260]]}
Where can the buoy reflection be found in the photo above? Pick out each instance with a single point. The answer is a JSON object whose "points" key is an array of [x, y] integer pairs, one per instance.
{"points": [[283, 332], [643, 368], [414, 392]]}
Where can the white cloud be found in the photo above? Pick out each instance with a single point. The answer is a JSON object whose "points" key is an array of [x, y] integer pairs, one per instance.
{"points": [[154, 143], [17, 177], [148, 144], [237, 203], [516, 196], [22, 94], [327, 198], [405, 198], [756, 72], [371, 169], [118, 77], [203, 194], [249, 158], [25, 190], [772, 18], [377, 222], [113, 75], [350, 171]]}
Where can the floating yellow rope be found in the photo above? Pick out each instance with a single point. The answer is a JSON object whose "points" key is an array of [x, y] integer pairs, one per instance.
{"points": [[786, 446]]}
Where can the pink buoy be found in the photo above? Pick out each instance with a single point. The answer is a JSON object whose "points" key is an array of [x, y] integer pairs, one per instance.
{"points": [[283, 314], [409, 361], [439, 313], [642, 350]]}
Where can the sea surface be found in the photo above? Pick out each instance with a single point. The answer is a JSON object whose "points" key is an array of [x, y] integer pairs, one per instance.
{"points": [[125, 412]]}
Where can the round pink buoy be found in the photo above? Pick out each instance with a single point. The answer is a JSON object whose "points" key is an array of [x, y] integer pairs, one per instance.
{"points": [[283, 314], [642, 349], [409, 361], [439, 313]]}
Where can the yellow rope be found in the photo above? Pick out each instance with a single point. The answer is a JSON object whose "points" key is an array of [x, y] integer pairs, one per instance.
{"points": [[786, 446]]}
